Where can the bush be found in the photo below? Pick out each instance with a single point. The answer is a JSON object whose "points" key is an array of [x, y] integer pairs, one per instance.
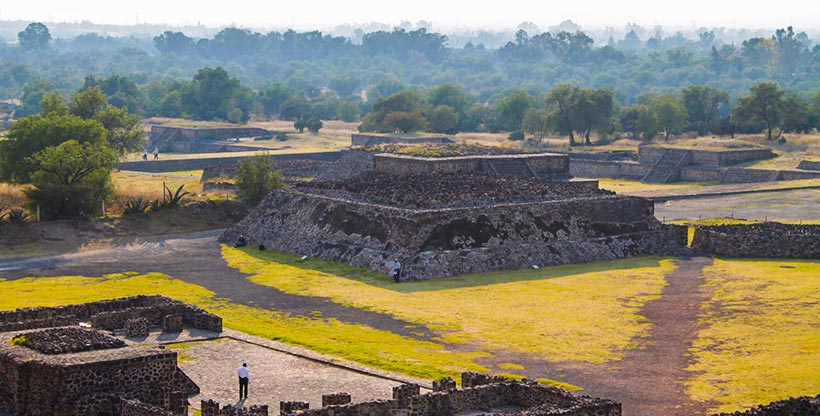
{"points": [[257, 177], [516, 135], [136, 206], [16, 216], [281, 136]]}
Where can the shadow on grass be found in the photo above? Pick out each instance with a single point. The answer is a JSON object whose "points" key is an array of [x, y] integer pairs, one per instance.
{"points": [[455, 282]]}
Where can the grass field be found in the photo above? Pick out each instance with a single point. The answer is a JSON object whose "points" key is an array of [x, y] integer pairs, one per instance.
{"points": [[762, 337], [538, 312], [358, 343]]}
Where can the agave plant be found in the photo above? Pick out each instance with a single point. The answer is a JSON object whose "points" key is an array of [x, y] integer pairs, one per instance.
{"points": [[173, 199], [136, 206], [17, 216]]}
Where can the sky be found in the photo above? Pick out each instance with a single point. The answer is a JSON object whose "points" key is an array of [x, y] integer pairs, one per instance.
{"points": [[309, 14]]}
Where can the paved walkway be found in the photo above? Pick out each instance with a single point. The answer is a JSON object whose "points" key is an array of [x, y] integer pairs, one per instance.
{"points": [[660, 195]]}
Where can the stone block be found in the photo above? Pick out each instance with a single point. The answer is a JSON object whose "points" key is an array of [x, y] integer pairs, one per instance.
{"points": [[288, 407], [172, 324], [335, 399], [136, 328]]}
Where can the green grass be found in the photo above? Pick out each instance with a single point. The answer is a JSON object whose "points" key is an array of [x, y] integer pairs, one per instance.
{"points": [[592, 307], [762, 337], [565, 386], [380, 349]]}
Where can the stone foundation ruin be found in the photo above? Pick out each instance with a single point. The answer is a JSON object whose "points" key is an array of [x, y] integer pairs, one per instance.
{"points": [[445, 224], [479, 393], [764, 240], [58, 361]]}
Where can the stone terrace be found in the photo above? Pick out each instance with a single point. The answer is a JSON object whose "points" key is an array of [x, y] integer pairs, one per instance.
{"points": [[449, 190], [69, 340]]}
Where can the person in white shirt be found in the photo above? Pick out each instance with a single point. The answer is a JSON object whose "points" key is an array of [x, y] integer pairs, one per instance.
{"points": [[244, 379]]}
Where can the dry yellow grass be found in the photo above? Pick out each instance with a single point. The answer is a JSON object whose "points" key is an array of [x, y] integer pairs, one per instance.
{"points": [[762, 337], [625, 185], [150, 185], [11, 197], [592, 307]]}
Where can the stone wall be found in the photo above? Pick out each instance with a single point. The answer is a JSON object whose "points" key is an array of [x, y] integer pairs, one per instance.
{"points": [[183, 138], [369, 140], [796, 406], [546, 165], [580, 168], [110, 314], [168, 165], [443, 242], [212, 408], [648, 155], [38, 384], [535, 399], [766, 240], [809, 165]]}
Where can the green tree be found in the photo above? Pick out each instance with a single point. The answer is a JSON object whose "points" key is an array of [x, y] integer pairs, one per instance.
{"points": [[257, 178], [398, 112], [564, 101], [637, 120], [212, 94], [348, 111], [34, 133], [125, 131], [443, 120], [405, 122], [763, 103], [703, 104], [537, 122], [593, 111], [88, 103], [512, 108], [53, 104], [670, 114], [71, 179], [796, 115], [34, 36]]}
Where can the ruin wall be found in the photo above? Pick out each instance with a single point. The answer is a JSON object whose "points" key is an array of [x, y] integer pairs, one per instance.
{"points": [[765, 240], [581, 168], [191, 134], [809, 165], [545, 164], [796, 406], [110, 314], [444, 242], [369, 140], [179, 165], [648, 155]]}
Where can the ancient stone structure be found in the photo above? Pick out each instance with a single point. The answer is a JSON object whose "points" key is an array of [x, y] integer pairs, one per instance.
{"points": [[110, 314], [335, 399], [660, 165], [809, 165], [541, 165], [289, 407], [370, 140], [765, 240], [180, 139], [38, 383], [51, 366], [444, 384], [494, 393], [211, 408], [172, 324], [796, 406], [445, 224], [176, 165]]}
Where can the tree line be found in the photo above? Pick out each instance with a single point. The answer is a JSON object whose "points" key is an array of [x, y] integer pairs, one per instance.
{"points": [[313, 64]]}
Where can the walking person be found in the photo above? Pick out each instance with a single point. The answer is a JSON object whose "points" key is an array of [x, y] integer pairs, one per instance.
{"points": [[396, 272], [156, 153], [244, 379]]}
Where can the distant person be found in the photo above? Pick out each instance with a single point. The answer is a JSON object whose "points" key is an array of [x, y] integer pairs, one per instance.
{"points": [[396, 272], [156, 153], [244, 379], [145, 154]]}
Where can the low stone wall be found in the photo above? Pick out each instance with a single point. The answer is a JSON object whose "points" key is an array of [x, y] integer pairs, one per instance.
{"points": [[766, 240], [648, 155], [809, 165], [138, 408], [292, 170], [692, 174], [536, 400], [110, 314], [607, 169], [796, 406], [350, 164], [444, 242], [546, 165], [369, 140], [168, 165], [212, 408]]}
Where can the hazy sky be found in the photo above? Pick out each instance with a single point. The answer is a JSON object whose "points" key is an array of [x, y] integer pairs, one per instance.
{"points": [[443, 13]]}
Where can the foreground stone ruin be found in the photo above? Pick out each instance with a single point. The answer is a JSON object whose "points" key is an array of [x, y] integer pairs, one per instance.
{"points": [[479, 393], [51, 365], [445, 224], [764, 240]]}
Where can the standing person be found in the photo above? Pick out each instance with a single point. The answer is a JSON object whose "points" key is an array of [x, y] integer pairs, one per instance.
{"points": [[396, 272], [156, 153], [244, 379], [145, 155]]}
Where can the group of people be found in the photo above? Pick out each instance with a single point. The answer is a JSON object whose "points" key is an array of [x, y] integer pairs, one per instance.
{"points": [[155, 153]]}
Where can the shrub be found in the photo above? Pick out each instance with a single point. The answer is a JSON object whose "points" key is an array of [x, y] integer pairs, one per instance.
{"points": [[169, 199], [257, 177], [16, 216], [281, 136], [516, 135]]}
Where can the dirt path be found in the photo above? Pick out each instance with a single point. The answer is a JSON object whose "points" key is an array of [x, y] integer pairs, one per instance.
{"points": [[196, 258], [647, 381]]}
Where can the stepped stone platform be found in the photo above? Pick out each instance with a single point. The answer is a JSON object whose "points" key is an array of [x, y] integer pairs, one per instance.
{"points": [[443, 224]]}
